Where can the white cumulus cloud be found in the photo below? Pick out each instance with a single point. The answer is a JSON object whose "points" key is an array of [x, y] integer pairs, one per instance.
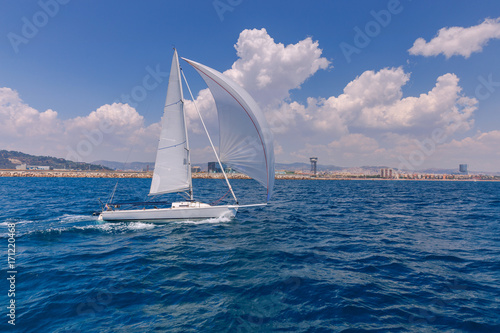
{"points": [[479, 150], [18, 119], [478, 146], [458, 40], [109, 129], [268, 71], [374, 101], [370, 122]]}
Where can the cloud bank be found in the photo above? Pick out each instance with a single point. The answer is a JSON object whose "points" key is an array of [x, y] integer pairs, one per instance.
{"points": [[110, 128], [458, 41], [371, 122]]}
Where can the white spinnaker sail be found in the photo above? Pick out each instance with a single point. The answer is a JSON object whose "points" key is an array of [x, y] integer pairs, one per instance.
{"points": [[172, 171], [246, 141]]}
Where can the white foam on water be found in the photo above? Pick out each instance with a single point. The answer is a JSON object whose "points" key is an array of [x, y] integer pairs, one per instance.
{"points": [[9, 221], [140, 226], [68, 223], [120, 226], [103, 227], [68, 218], [213, 220], [48, 230]]}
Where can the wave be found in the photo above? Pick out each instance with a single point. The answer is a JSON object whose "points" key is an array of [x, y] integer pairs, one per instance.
{"points": [[17, 222], [66, 218], [117, 227], [83, 223], [70, 218], [445, 258], [320, 263], [122, 227], [222, 219], [140, 226]]}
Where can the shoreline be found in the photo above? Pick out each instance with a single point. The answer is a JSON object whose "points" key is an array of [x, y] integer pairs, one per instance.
{"points": [[203, 175]]}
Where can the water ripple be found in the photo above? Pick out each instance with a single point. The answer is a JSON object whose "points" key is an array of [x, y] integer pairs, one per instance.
{"points": [[323, 256]]}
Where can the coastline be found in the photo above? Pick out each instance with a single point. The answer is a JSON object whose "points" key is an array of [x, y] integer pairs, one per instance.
{"points": [[202, 175]]}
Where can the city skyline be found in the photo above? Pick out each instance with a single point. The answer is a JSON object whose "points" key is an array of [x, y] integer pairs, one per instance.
{"points": [[411, 85]]}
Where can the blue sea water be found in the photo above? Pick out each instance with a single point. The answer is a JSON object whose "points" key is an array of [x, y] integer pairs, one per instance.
{"points": [[323, 256]]}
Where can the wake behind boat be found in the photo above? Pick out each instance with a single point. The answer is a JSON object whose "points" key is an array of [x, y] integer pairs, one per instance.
{"points": [[245, 144]]}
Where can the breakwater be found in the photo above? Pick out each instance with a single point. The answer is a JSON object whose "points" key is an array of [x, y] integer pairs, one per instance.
{"points": [[123, 174], [74, 174], [200, 175], [106, 174]]}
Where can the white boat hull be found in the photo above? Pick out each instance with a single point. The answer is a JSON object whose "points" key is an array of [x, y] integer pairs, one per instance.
{"points": [[191, 212]]}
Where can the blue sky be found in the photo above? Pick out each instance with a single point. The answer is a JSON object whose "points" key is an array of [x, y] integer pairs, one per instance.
{"points": [[351, 91]]}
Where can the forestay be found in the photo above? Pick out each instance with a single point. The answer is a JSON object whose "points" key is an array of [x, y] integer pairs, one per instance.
{"points": [[172, 171], [246, 141]]}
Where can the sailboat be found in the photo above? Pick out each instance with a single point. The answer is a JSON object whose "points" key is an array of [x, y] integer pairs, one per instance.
{"points": [[245, 145]]}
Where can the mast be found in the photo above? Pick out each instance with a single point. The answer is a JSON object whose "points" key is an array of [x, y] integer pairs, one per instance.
{"points": [[188, 152]]}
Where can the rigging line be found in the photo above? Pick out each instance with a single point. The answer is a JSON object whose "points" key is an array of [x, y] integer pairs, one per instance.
{"points": [[188, 151], [218, 200], [178, 144], [118, 179], [113, 193], [209, 138], [173, 103]]}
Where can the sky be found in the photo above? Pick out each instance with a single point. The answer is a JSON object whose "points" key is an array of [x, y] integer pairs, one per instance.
{"points": [[405, 84]]}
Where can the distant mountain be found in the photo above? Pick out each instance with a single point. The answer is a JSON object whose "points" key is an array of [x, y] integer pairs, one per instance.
{"points": [[139, 166], [134, 166], [11, 159], [297, 166], [438, 171]]}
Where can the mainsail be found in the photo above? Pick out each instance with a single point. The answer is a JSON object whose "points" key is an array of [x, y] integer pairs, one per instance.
{"points": [[172, 171], [245, 141]]}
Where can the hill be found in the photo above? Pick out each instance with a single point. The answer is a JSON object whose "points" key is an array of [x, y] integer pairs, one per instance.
{"points": [[135, 166], [297, 166], [140, 166], [11, 159]]}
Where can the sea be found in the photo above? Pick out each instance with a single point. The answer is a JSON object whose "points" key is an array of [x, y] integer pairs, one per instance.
{"points": [[322, 256]]}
